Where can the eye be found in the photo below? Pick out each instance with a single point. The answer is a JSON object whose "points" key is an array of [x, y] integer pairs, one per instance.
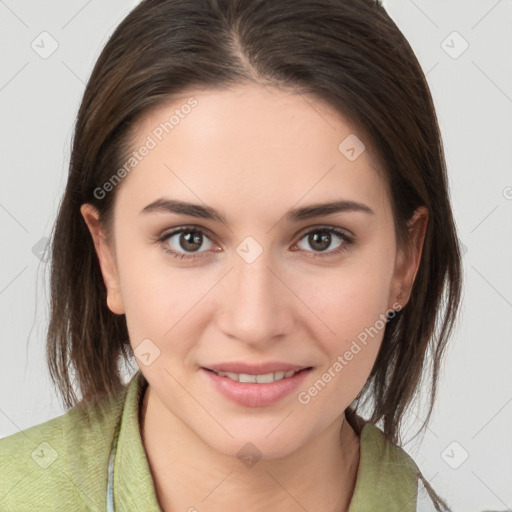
{"points": [[187, 239], [320, 239], [186, 242]]}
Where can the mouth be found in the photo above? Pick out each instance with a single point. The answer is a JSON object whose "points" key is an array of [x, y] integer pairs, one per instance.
{"points": [[264, 378], [256, 389]]}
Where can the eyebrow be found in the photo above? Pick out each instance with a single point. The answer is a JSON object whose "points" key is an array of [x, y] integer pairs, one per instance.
{"points": [[295, 215]]}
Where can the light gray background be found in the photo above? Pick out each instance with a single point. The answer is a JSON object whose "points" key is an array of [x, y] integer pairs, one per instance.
{"points": [[39, 98]]}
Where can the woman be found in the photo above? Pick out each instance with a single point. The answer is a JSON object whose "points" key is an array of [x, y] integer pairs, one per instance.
{"points": [[257, 210]]}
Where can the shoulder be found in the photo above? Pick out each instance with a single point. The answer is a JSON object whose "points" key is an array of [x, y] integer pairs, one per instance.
{"points": [[389, 477], [386, 464], [60, 464]]}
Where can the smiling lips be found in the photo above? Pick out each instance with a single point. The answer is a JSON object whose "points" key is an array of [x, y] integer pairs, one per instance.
{"points": [[260, 379], [256, 369], [256, 385], [262, 373]]}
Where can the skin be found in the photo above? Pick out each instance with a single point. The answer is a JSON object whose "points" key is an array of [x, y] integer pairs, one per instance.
{"points": [[252, 153]]}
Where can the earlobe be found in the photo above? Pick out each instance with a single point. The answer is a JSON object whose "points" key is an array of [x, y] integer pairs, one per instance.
{"points": [[106, 258], [408, 260]]}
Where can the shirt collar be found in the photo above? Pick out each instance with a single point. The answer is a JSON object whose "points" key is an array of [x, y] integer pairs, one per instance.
{"points": [[133, 484], [386, 477], [386, 474]]}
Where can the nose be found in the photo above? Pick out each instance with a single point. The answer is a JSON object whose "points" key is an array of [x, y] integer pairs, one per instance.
{"points": [[256, 307]]}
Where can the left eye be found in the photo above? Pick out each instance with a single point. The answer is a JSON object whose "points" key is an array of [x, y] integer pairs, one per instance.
{"points": [[322, 238]]}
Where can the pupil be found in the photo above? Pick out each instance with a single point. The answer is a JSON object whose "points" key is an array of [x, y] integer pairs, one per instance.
{"points": [[323, 239], [190, 238]]}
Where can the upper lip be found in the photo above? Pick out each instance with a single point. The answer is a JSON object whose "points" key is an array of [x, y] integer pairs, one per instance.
{"points": [[255, 369]]}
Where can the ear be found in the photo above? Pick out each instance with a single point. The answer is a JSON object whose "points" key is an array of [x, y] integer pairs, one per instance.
{"points": [[408, 259], [106, 257]]}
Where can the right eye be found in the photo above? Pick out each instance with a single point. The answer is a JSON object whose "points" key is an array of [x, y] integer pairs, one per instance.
{"points": [[187, 241]]}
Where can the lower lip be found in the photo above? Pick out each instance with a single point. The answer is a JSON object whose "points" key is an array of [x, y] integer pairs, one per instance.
{"points": [[256, 395]]}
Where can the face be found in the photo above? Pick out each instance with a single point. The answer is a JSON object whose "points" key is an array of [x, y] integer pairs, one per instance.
{"points": [[262, 279]]}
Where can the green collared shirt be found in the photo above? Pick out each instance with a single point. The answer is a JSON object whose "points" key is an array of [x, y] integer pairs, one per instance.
{"points": [[62, 464]]}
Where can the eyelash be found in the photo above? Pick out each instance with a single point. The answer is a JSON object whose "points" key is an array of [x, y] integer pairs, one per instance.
{"points": [[346, 239]]}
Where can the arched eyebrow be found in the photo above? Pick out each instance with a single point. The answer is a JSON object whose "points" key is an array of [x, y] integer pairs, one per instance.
{"points": [[165, 205], [321, 209]]}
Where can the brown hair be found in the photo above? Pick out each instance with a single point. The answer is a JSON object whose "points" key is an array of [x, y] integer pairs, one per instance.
{"points": [[347, 52]]}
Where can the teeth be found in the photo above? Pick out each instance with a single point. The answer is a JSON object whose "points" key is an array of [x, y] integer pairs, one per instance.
{"points": [[268, 377], [260, 379]]}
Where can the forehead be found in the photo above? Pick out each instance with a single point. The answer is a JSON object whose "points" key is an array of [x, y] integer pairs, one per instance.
{"points": [[253, 147]]}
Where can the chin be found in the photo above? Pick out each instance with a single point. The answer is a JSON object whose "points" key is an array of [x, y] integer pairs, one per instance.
{"points": [[257, 443]]}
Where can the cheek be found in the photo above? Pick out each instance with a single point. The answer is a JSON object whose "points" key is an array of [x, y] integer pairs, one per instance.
{"points": [[351, 298], [355, 313], [350, 306], [157, 299]]}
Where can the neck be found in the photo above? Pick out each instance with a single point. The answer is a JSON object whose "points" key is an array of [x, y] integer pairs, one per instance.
{"points": [[188, 474]]}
